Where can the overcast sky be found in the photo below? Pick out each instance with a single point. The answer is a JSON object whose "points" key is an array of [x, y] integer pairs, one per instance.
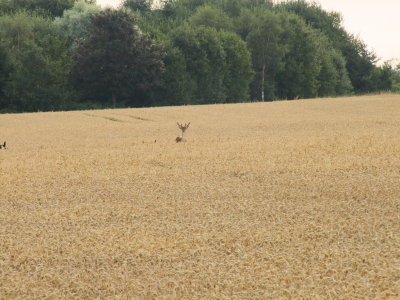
{"points": [[376, 22]]}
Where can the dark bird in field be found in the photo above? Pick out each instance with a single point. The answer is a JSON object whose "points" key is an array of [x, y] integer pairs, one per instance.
{"points": [[4, 146]]}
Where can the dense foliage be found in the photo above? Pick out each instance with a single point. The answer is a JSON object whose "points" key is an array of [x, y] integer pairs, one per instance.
{"points": [[69, 54], [115, 64]]}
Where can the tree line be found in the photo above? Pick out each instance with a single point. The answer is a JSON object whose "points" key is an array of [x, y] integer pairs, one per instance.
{"points": [[72, 54]]}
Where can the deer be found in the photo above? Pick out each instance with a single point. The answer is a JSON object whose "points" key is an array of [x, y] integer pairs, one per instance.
{"points": [[4, 146], [183, 129]]}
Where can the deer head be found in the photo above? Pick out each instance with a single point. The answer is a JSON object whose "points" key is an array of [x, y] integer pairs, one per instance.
{"points": [[183, 129]]}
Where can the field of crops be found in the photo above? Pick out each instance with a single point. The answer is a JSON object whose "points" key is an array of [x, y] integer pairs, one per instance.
{"points": [[265, 200]]}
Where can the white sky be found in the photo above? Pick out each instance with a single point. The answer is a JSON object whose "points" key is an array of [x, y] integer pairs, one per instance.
{"points": [[109, 2], [376, 22]]}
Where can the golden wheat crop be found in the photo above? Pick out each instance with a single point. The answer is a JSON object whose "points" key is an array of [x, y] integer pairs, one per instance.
{"points": [[276, 200]]}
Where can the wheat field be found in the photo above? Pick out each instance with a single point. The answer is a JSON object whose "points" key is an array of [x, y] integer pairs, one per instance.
{"points": [[293, 199]]}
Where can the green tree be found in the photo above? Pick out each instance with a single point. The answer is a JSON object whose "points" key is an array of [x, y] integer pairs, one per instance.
{"points": [[205, 60], [178, 86], [39, 63], [263, 35], [396, 79], [5, 70], [299, 77], [75, 21], [384, 77], [360, 62], [52, 8], [217, 64], [333, 77], [212, 17], [181, 10], [138, 5], [329, 23], [116, 64], [239, 72]]}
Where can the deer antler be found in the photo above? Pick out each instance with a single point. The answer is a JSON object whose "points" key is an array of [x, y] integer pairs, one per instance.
{"points": [[183, 127]]}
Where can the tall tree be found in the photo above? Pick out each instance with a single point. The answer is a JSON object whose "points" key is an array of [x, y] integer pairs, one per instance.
{"points": [[263, 37], [360, 62], [52, 8], [329, 23], [5, 70], [333, 77], [299, 77], [205, 60], [39, 64], [75, 21], [138, 5], [178, 85], [116, 64], [212, 17], [218, 64], [239, 71]]}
